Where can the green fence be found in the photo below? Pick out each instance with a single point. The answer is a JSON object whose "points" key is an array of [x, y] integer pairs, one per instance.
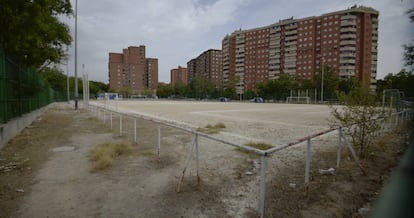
{"points": [[22, 90]]}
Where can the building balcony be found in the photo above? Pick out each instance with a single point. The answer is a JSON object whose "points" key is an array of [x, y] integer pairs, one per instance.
{"points": [[348, 17], [347, 55], [291, 48], [347, 61], [375, 38], [274, 61], [346, 68], [347, 48], [348, 36], [347, 42], [274, 42], [345, 23], [290, 43], [291, 26], [290, 38], [348, 29], [240, 65], [291, 32]]}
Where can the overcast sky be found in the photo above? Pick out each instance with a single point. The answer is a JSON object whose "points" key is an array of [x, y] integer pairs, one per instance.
{"points": [[175, 31]]}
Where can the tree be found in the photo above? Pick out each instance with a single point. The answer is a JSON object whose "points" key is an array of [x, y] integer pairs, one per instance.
{"points": [[278, 88], [360, 115], [402, 81], [32, 32], [55, 78], [249, 94], [164, 91], [201, 87], [409, 48]]}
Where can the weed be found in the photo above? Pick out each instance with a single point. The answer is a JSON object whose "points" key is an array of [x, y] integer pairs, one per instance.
{"points": [[103, 155], [209, 129]]}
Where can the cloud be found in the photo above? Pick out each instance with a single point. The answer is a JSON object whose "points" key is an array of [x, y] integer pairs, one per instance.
{"points": [[174, 31]]}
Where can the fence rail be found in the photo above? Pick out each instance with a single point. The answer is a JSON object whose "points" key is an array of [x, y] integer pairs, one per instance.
{"points": [[392, 122]]}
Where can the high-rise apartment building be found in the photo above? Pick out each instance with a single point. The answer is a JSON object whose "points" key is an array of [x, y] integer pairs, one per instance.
{"points": [[179, 75], [209, 65], [346, 40], [132, 70]]}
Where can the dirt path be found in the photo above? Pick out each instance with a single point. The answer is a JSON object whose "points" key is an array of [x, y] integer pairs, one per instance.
{"points": [[48, 174]]}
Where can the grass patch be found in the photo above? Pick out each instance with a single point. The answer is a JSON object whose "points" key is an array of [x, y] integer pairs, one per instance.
{"points": [[209, 129], [259, 145], [103, 155]]}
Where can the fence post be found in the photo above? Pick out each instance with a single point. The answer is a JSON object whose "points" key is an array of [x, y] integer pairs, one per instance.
{"points": [[104, 116], [338, 158], [354, 155], [111, 118], [159, 142], [135, 130], [307, 166], [197, 159], [120, 124], [187, 161], [262, 186]]}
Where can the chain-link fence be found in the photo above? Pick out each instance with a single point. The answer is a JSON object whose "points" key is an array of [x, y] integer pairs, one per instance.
{"points": [[22, 90]]}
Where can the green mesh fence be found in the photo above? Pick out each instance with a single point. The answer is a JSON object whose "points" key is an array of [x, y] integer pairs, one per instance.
{"points": [[22, 90]]}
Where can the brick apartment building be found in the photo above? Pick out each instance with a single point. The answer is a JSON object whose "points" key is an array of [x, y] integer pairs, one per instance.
{"points": [[132, 70], [179, 75], [209, 65], [346, 40]]}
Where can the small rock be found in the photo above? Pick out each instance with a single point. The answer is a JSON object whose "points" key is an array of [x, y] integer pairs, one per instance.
{"points": [[330, 171], [364, 210], [20, 190], [248, 173], [292, 185]]}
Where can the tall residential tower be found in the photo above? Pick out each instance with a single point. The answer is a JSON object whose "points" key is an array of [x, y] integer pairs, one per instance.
{"points": [[132, 70], [346, 40]]}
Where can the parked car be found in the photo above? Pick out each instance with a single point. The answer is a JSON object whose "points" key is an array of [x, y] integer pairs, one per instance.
{"points": [[257, 100], [224, 99]]}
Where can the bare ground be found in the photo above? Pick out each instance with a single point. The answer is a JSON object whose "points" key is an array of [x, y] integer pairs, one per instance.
{"points": [[45, 172]]}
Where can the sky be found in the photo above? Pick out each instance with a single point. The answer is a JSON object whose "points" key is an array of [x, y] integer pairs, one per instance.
{"points": [[175, 31]]}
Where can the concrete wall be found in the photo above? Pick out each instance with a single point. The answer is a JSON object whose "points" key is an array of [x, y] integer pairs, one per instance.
{"points": [[12, 128]]}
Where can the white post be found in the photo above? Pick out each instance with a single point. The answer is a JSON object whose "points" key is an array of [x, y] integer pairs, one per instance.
{"points": [[307, 167], [197, 160], [338, 158], [135, 130], [262, 186], [104, 116], [159, 142], [111, 118], [120, 124]]}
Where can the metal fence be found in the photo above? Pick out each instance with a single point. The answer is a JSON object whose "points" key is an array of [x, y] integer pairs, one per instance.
{"points": [[117, 120], [22, 90]]}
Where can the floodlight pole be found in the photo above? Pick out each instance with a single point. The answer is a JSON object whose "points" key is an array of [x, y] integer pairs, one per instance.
{"points": [[67, 76], [322, 83], [76, 54]]}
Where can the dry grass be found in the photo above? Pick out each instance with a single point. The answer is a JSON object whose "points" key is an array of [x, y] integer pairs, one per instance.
{"points": [[209, 129], [103, 155], [259, 145]]}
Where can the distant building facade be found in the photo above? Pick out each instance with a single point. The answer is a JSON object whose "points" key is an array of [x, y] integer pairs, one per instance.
{"points": [[179, 75], [132, 70], [346, 40], [208, 65]]}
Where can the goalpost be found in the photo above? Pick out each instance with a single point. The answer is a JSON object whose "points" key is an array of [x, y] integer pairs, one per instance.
{"points": [[298, 100], [393, 98], [300, 96]]}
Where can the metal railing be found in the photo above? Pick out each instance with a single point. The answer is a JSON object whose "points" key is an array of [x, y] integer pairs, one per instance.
{"points": [[389, 124]]}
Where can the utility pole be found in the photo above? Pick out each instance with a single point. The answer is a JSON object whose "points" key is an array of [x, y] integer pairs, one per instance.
{"points": [[67, 75], [76, 55]]}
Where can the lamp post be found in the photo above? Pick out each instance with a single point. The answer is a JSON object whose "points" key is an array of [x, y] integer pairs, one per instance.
{"points": [[322, 83], [67, 76], [76, 54]]}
